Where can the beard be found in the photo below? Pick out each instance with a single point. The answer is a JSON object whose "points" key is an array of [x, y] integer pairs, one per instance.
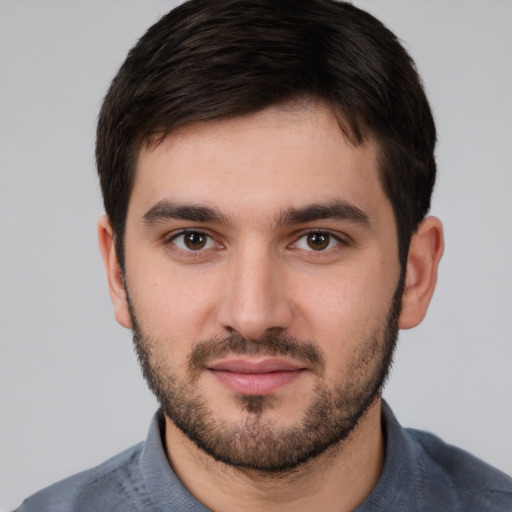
{"points": [[256, 443]]}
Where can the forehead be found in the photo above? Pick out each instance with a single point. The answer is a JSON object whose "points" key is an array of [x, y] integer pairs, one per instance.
{"points": [[281, 157]]}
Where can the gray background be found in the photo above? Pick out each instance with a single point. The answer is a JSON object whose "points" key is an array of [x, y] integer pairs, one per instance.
{"points": [[70, 391]]}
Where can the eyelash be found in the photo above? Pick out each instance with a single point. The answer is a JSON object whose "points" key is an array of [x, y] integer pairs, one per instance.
{"points": [[340, 242], [187, 252], [190, 252]]}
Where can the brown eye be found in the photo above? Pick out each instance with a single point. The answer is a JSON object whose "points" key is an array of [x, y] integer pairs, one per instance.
{"points": [[192, 241], [318, 241], [195, 241]]}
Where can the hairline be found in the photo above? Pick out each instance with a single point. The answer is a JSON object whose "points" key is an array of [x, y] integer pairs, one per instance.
{"points": [[356, 134]]}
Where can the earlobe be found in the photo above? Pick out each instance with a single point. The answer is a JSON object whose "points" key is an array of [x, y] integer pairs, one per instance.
{"points": [[425, 252], [114, 272]]}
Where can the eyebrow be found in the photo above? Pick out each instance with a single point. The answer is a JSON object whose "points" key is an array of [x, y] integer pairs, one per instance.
{"points": [[166, 210], [337, 210]]}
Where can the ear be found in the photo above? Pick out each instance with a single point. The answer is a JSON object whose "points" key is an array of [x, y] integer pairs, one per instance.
{"points": [[114, 272], [426, 249]]}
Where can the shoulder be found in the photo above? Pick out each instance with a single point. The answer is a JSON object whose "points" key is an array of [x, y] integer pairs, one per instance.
{"points": [[466, 479], [108, 484]]}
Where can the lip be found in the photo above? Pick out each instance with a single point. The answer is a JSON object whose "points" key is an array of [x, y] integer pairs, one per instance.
{"points": [[255, 377]]}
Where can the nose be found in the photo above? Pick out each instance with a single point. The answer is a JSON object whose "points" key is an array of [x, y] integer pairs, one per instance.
{"points": [[255, 301]]}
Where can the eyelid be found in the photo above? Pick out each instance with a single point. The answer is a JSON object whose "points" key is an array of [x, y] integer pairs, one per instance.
{"points": [[341, 239], [171, 239], [338, 237]]}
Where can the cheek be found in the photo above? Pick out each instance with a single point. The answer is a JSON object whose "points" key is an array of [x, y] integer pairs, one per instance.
{"points": [[342, 310], [172, 306]]}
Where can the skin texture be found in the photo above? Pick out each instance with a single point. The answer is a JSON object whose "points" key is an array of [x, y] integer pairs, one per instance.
{"points": [[251, 270]]}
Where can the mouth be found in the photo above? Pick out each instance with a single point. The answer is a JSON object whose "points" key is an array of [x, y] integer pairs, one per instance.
{"points": [[249, 376]]}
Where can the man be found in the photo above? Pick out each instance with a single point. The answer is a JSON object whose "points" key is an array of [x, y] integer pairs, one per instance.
{"points": [[266, 169]]}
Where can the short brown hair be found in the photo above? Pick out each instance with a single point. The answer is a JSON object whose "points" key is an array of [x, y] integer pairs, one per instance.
{"points": [[209, 59]]}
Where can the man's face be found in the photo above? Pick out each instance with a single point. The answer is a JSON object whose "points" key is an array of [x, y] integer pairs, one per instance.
{"points": [[263, 277]]}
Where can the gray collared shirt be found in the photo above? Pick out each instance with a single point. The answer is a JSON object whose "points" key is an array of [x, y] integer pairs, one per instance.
{"points": [[421, 474]]}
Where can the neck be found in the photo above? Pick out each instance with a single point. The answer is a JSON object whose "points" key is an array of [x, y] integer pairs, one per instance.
{"points": [[340, 479]]}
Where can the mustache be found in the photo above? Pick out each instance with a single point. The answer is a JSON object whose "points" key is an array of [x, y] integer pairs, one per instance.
{"points": [[269, 345]]}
